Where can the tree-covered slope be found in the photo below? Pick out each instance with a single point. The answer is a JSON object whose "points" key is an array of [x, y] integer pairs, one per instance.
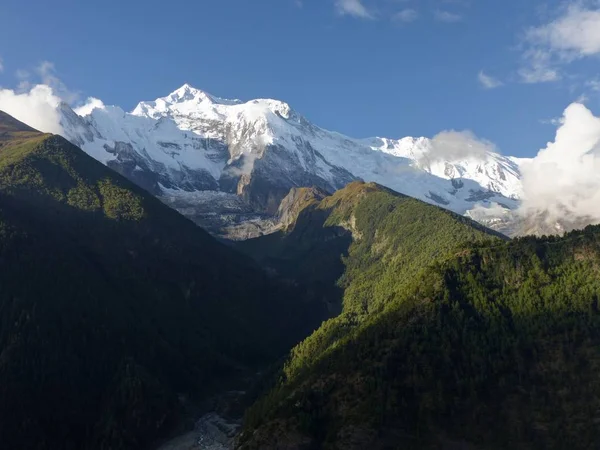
{"points": [[359, 249], [494, 347], [113, 307]]}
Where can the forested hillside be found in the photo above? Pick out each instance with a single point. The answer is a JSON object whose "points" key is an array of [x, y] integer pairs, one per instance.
{"points": [[113, 307], [492, 347], [362, 246]]}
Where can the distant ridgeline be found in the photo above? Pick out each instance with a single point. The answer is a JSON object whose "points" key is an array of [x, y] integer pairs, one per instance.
{"points": [[113, 306], [449, 337]]}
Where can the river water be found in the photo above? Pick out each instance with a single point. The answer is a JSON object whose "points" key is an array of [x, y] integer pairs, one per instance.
{"points": [[214, 430], [211, 432]]}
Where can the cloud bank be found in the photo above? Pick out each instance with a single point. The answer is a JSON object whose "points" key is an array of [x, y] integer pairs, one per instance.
{"points": [[563, 181], [36, 102], [36, 107]]}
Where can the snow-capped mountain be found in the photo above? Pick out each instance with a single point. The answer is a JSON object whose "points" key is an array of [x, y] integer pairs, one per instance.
{"points": [[227, 164]]}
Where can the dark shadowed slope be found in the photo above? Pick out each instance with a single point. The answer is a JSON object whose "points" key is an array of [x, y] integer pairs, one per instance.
{"points": [[113, 307]]}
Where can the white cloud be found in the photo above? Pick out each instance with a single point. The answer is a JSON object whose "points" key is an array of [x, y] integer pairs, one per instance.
{"points": [[37, 98], [563, 180], [488, 81], [573, 35], [354, 8], [406, 15], [37, 107], [538, 67], [446, 16], [24, 84], [484, 213], [458, 145], [47, 74], [90, 104]]}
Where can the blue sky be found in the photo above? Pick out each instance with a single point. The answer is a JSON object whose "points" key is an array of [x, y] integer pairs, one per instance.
{"points": [[503, 69]]}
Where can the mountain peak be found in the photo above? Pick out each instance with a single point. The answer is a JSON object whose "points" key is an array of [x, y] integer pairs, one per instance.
{"points": [[187, 92], [187, 96]]}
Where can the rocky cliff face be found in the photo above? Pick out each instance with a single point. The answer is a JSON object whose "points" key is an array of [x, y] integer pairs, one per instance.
{"points": [[227, 164]]}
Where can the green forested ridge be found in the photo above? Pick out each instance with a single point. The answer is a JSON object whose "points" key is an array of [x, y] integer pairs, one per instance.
{"points": [[113, 306], [493, 347], [367, 243]]}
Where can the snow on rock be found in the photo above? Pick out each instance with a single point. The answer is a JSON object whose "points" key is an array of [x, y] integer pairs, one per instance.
{"points": [[191, 141]]}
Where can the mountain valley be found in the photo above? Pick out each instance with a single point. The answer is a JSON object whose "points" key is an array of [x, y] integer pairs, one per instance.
{"points": [[116, 311], [338, 314], [383, 233]]}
